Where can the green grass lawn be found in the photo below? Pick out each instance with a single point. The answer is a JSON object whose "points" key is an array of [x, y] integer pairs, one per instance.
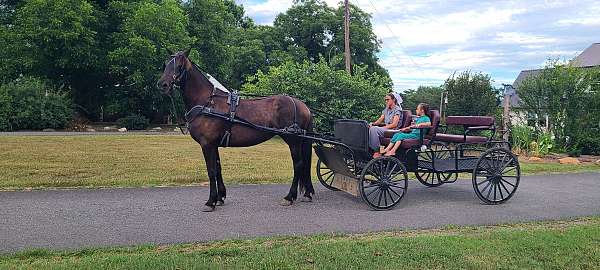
{"points": [[550, 245], [148, 160]]}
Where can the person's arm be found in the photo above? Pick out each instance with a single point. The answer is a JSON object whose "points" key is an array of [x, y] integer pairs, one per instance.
{"points": [[422, 125], [394, 123], [379, 121]]}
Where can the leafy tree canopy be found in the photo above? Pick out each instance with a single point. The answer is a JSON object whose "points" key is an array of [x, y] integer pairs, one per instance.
{"points": [[471, 94]]}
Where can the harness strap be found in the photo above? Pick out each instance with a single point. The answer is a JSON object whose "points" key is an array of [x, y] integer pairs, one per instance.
{"points": [[233, 100], [294, 128]]}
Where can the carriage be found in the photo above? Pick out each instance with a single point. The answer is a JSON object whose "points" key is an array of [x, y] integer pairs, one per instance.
{"points": [[345, 162], [217, 117]]}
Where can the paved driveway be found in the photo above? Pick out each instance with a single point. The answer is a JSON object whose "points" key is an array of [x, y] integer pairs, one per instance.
{"points": [[108, 217]]}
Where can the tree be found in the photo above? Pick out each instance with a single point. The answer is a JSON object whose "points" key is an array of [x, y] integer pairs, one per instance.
{"points": [[141, 51], [55, 40], [319, 29], [424, 94], [569, 96], [471, 94], [307, 24], [364, 44], [324, 88], [60, 37], [211, 21]]}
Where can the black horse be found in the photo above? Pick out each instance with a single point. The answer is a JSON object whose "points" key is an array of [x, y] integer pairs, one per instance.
{"points": [[274, 112]]}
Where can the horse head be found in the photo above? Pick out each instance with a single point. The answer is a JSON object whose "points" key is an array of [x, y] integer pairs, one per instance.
{"points": [[174, 71]]}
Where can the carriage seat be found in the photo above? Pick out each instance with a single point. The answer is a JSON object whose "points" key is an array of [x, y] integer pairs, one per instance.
{"points": [[470, 124], [434, 115]]}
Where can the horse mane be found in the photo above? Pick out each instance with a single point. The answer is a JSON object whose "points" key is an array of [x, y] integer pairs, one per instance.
{"points": [[206, 76]]}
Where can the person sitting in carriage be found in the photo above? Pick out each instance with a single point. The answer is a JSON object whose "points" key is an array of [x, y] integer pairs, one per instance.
{"points": [[422, 121], [390, 118]]}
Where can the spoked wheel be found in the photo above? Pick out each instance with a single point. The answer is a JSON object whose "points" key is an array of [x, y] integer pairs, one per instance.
{"points": [[383, 183], [496, 176], [325, 175], [435, 179]]}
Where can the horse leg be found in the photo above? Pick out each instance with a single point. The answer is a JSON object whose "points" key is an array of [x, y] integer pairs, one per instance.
{"points": [[221, 192], [210, 156], [307, 163], [297, 160]]}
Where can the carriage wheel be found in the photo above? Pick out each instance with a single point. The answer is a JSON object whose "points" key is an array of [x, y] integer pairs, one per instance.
{"points": [[496, 176], [383, 183], [325, 175], [435, 179]]}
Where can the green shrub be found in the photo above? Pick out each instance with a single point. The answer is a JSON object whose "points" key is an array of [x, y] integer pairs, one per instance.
{"points": [[574, 152], [357, 96], [134, 122], [5, 110], [589, 145], [543, 144], [31, 104], [528, 140], [522, 137]]}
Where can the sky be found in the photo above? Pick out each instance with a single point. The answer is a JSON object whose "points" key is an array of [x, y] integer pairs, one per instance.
{"points": [[424, 42]]}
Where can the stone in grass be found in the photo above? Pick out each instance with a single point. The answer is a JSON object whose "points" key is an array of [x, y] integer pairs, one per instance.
{"points": [[157, 128], [122, 130], [108, 128], [90, 130], [597, 162], [535, 159], [176, 129], [569, 160], [48, 130]]}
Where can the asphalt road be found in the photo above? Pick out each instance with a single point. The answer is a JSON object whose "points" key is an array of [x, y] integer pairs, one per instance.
{"points": [[65, 219]]}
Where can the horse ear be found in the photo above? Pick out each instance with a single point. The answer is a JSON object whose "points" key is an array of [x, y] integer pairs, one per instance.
{"points": [[187, 52]]}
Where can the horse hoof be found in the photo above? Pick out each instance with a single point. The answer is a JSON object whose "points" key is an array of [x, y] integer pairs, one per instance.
{"points": [[306, 199], [220, 203], [285, 202], [208, 208]]}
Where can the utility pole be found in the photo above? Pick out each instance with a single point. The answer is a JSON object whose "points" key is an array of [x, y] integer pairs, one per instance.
{"points": [[347, 35]]}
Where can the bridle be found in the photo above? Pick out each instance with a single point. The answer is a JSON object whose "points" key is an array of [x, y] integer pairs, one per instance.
{"points": [[179, 79], [179, 74]]}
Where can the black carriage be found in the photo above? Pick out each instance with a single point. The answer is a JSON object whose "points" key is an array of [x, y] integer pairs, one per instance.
{"points": [[345, 163]]}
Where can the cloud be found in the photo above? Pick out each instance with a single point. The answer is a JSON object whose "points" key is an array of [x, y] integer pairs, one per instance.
{"points": [[586, 17], [454, 28], [522, 38]]}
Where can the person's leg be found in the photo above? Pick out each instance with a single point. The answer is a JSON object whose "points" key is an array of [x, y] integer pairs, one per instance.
{"points": [[374, 134], [388, 147], [392, 151]]}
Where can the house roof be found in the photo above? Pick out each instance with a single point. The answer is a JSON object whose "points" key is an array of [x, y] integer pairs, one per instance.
{"points": [[590, 57], [524, 74]]}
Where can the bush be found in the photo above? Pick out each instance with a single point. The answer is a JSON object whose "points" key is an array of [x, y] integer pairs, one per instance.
{"points": [[526, 139], [30, 104], [589, 145], [134, 122], [357, 96], [521, 137], [5, 110]]}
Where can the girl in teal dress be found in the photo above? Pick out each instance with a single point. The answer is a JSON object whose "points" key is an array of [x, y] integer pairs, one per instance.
{"points": [[421, 122]]}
